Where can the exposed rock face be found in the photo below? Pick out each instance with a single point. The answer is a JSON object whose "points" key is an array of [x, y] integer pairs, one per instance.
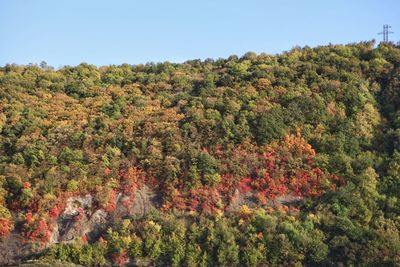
{"points": [[74, 220], [79, 218], [144, 201], [240, 199], [13, 250], [96, 224], [248, 199], [285, 200]]}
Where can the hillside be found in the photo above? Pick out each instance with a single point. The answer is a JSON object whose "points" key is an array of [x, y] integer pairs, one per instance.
{"points": [[284, 160]]}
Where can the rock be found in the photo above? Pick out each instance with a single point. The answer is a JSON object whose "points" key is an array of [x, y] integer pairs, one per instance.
{"points": [[13, 250], [240, 199], [79, 218], [73, 222], [96, 224], [144, 201], [74, 203], [249, 200], [286, 200]]}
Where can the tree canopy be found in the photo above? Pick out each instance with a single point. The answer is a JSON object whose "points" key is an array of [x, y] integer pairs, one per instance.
{"points": [[318, 125]]}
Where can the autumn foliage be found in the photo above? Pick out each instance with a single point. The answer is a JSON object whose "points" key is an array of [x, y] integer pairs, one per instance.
{"points": [[5, 227], [286, 168], [38, 230], [120, 258], [259, 160]]}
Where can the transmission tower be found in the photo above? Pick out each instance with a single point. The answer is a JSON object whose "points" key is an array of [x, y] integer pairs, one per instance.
{"points": [[386, 33]]}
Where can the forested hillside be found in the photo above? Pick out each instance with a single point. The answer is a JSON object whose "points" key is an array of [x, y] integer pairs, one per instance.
{"points": [[284, 160]]}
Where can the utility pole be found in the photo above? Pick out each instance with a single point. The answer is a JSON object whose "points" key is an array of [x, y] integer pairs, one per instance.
{"points": [[386, 33]]}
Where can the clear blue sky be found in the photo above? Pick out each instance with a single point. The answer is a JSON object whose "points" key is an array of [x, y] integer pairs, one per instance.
{"points": [[68, 32]]}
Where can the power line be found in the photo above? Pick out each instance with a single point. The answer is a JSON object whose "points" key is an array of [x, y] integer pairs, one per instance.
{"points": [[386, 33]]}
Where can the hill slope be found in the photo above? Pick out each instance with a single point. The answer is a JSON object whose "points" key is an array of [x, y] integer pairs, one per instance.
{"points": [[276, 160]]}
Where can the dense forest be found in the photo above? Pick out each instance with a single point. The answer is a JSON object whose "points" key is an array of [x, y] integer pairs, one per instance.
{"points": [[260, 160]]}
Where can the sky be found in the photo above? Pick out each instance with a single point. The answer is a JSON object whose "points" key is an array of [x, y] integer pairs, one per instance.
{"points": [[100, 32]]}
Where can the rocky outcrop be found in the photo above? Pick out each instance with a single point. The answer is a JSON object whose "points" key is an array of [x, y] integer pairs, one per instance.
{"points": [[145, 200], [239, 199], [80, 218], [13, 250]]}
